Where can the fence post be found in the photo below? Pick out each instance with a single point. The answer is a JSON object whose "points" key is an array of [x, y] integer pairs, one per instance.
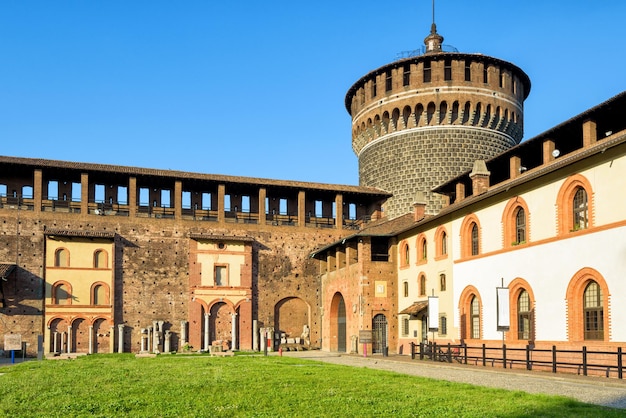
{"points": [[465, 353], [584, 360], [484, 356], [449, 353], [412, 350], [554, 359], [504, 355], [619, 362], [421, 350], [529, 365], [433, 351]]}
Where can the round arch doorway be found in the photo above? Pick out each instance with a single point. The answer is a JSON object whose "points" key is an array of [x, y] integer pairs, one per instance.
{"points": [[338, 324], [379, 334]]}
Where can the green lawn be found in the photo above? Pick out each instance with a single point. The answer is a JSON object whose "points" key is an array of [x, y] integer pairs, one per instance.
{"points": [[252, 386]]}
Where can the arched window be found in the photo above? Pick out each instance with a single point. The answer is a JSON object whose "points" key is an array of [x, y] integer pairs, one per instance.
{"points": [[470, 310], [422, 249], [61, 258], [470, 236], [521, 310], [406, 255], [441, 243], [580, 210], [474, 318], [100, 295], [100, 259], [61, 294], [422, 282], [523, 316], [587, 305], [515, 222], [575, 205], [444, 243], [405, 288], [520, 226], [442, 282], [593, 312], [475, 243]]}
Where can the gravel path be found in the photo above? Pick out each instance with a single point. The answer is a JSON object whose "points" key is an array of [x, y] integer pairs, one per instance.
{"points": [[595, 390]]}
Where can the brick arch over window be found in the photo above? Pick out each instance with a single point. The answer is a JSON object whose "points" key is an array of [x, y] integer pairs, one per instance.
{"points": [[510, 224], [422, 249], [61, 257], [441, 243], [421, 284], [516, 287], [100, 259], [575, 303], [564, 203], [61, 293], [405, 255], [467, 237], [100, 294], [469, 294]]}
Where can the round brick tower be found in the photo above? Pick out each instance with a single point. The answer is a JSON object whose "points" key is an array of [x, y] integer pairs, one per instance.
{"points": [[421, 120]]}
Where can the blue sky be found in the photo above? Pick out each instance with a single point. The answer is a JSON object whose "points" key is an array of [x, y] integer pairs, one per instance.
{"points": [[257, 88]]}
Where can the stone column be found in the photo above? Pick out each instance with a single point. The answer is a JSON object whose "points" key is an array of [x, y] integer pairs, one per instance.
{"points": [[90, 331], [62, 342], [143, 341], [255, 335], [155, 336], [148, 342], [183, 334], [112, 339], [206, 331], [55, 342], [69, 338], [120, 338], [47, 337], [233, 330], [166, 344], [160, 335]]}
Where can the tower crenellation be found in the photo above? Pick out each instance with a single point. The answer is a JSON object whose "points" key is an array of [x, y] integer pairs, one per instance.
{"points": [[418, 121]]}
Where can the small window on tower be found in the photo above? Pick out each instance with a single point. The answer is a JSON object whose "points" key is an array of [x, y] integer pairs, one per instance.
{"points": [[447, 70], [427, 74], [406, 76]]}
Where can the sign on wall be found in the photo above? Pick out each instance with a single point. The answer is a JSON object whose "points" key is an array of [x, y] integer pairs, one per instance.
{"points": [[365, 336], [12, 342]]}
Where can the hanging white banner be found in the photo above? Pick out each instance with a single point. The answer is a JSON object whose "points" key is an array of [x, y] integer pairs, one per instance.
{"points": [[433, 313], [504, 322]]}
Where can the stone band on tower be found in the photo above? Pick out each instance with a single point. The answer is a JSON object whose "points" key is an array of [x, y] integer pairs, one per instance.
{"points": [[419, 121]]}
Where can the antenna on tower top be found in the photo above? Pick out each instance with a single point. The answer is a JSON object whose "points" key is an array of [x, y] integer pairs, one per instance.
{"points": [[433, 12]]}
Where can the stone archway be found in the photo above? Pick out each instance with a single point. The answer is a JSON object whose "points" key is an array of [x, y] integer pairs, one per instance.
{"points": [[58, 336], [291, 316], [220, 323], [379, 334], [102, 339], [338, 324], [80, 336]]}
